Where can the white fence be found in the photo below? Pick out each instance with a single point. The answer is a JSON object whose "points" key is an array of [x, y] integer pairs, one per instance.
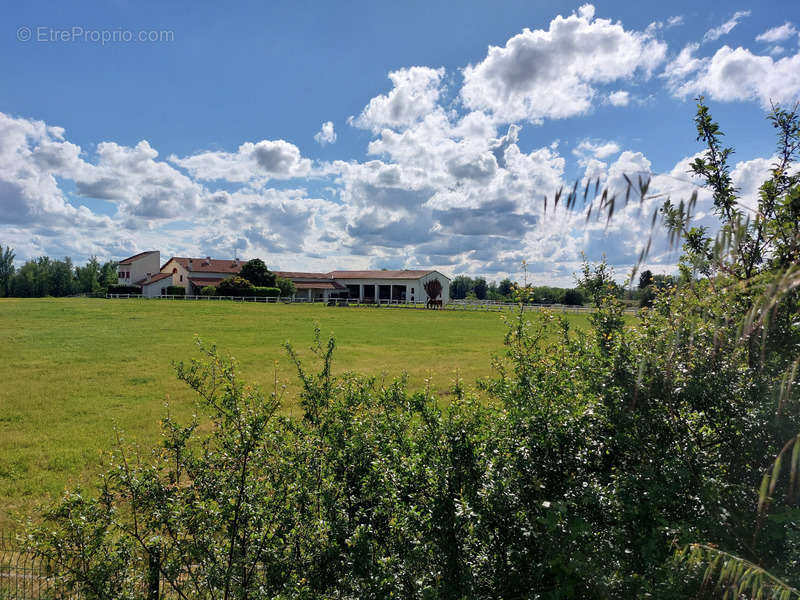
{"points": [[468, 305]]}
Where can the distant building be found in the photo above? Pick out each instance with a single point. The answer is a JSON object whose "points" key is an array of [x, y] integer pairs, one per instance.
{"points": [[195, 273], [367, 286]]}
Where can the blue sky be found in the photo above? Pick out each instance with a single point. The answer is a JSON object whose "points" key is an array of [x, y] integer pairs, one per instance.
{"points": [[203, 142]]}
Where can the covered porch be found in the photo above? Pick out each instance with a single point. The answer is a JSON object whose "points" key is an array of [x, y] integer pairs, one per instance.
{"points": [[318, 291]]}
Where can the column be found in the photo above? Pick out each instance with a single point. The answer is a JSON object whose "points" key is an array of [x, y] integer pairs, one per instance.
{"points": [[361, 293]]}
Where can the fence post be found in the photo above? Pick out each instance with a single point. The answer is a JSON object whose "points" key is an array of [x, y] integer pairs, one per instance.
{"points": [[153, 574]]}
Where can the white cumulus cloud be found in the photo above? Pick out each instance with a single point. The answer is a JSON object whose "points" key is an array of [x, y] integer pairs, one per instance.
{"points": [[267, 159], [414, 94], [736, 74], [619, 98], [326, 134], [553, 73]]}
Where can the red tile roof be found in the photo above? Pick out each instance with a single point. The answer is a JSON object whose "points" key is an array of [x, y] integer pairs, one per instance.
{"points": [[208, 265], [153, 279], [204, 281], [405, 274], [130, 259], [318, 285], [301, 275]]}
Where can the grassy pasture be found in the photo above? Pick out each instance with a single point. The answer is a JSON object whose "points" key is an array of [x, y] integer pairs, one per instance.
{"points": [[71, 369]]}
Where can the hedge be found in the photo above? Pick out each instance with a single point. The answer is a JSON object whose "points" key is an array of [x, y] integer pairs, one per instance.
{"points": [[253, 292], [120, 288], [266, 292], [208, 290], [176, 290]]}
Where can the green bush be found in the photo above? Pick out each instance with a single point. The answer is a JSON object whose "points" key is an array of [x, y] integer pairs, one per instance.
{"points": [[573, 298], [257, 273], [575, 471], [286, 286], [234, 286], [266, 292], [124, 289], [176, 290], [208, 290]]}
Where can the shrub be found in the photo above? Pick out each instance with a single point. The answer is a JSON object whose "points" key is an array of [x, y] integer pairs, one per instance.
{"points": [[257, 273], [234, 286], [286, 286], [209, 290], [119, 288], [573, 298], [266, 292], [176, 290]]}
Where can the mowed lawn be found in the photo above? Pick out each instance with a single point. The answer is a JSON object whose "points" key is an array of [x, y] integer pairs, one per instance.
{"points": [[73, 369]]}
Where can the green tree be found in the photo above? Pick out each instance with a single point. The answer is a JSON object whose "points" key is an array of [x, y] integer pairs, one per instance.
{"points": [[234, 286], [6, 269], [573, 298], [597, 281], [108, 274], [257, 273], [750, 244], [62, 278], [286, 286], [460, 287], [505, 287], [480, 288], [645, 279], [89, 276]]}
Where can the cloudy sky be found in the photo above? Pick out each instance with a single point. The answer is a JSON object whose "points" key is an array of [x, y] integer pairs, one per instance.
{"points": [[372, 134]]}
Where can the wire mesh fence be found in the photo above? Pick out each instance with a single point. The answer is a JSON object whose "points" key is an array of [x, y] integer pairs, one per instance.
{"points": [[24, 576]]}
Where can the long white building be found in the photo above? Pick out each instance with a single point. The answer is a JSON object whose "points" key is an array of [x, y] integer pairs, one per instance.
{"points": [[193, 274], [368, 286]]}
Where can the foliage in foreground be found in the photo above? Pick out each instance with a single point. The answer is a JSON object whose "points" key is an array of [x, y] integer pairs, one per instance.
{"points": [[593, 458], [657, 461]]}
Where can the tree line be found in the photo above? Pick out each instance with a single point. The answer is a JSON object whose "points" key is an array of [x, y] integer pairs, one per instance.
{"points": [[466, 287], [45, 276]]}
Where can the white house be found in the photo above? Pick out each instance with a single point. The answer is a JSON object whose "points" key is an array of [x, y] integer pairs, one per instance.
{"points": [[368, 286], [139, 267], [196, 273]]}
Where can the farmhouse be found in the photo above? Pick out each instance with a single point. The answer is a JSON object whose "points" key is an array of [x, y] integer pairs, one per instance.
{"points": [[195, 273]]}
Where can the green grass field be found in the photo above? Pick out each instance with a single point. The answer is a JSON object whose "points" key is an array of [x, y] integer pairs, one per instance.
{"points": [[72, 369]]}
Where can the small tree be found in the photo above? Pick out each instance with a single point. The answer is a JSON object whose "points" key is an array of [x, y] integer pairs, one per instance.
{"points": [[234, 286], [6, 269], [286, 286], [480, 288], [505, 287], [257, 273], [460, 287], [573, 298]]}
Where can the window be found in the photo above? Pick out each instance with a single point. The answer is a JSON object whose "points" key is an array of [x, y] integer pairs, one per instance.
{"points": [[412, 291], [181, 277]]}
